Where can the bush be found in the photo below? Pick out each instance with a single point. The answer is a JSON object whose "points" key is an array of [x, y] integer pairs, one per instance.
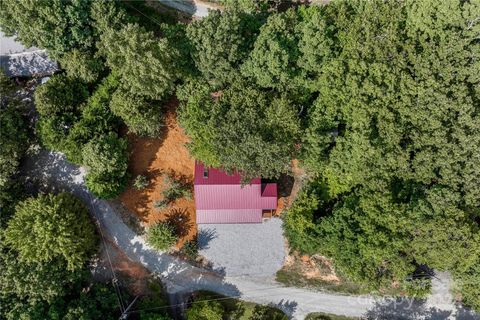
{"points": [[418, 288], [205, 310], [106, 158], [160, 204], [59, 95], [176, 189], [190, 249], [140, 182], [161, 236], [52, 227], [299, 225]]}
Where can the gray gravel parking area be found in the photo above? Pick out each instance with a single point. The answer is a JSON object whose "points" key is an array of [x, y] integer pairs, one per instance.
{"points": [[255, 250]]}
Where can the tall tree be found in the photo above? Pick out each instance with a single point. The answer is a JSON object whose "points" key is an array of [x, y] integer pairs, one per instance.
{"points": [[13, 130], [106, 159], [144, 63], [52, 227], [272, 62], [245, 129], [59, 25], [60, 94], [141, 116], [222, 41]]}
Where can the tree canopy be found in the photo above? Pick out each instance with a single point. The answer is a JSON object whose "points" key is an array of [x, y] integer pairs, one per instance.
{"points": [[144, 63], [55, 25], [222, 41], [243, 129], [52, 227], [13, 130], [106, 160]]}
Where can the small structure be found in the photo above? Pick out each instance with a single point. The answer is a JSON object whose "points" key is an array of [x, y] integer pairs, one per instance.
{"points": [[221, 198]]}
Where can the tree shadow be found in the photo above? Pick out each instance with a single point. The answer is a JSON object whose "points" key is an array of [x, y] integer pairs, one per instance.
{"points": [[287, 306], [180, 220], [204, 236], [285, 185], [406, 309]]}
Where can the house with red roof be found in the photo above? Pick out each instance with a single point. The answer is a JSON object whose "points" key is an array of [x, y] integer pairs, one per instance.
{"points": [[221, 198]]}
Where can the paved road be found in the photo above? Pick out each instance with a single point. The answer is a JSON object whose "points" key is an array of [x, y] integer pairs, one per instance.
{"points": [[195, 8], [18, 61], [52, 170]]}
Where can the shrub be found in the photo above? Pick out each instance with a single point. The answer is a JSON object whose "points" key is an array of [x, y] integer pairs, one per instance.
{"points": [[205, 310], [299, 225], [161, 236], [419, 288], [176, 189], [190, 249], [140, 182], [160, 204]]}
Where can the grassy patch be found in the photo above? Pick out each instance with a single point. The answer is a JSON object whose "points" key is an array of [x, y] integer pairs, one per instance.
{"points": [[327, 316], [241, 310], [292, 277]]}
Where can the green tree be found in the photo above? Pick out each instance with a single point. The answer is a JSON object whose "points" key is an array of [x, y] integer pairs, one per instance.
{"points": [[52, 227], [141, 116], [99, 301], [33, 281], [161, 236], [13, 131], [59, 95], [59, 25], [106, 159], [262, 312], [299, 224], [243, 129], [205, 310], [367, 238], [144, 315], [96, 119], [273, 61], [82, 65], [144, 63], [222, 41]]}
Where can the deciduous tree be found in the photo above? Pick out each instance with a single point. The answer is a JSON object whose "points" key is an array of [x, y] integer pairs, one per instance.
{"points": [[106, 159], [52, 227]]}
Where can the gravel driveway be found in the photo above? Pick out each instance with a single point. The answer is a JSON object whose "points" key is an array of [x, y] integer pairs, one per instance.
{"points": [[255, 250]]}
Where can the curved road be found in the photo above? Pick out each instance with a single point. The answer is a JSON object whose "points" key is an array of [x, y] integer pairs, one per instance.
{"points": [[180, 277]]}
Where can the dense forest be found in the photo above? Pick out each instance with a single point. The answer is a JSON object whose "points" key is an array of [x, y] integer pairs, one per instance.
{"points": [[379, 100]]}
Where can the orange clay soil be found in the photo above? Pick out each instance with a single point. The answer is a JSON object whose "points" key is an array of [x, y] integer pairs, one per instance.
{"points": [[154, 158], [288, 187]]}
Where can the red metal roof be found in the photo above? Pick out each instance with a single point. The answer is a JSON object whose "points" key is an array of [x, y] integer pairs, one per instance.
{"points": [[217, 176], [220, 198], [229, 216]]}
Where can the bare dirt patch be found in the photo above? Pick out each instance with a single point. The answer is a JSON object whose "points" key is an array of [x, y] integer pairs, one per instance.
{"points": [[312, 267], [154, 158], [289, 186], [130, 274]]}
